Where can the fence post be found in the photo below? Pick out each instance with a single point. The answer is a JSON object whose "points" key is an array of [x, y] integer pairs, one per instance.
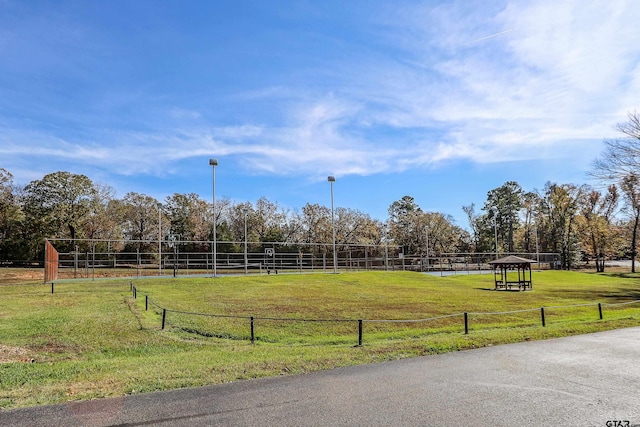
{"points": [[600, 310], [130, 286], [466, 323], [135, 293], [542, 314], [253, 336], [164, 316], [359, 332], [146, 302], [52, 287]]}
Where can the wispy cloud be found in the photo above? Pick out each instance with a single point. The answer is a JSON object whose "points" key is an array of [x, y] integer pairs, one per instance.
{"points": [[553, 79], [457, 81], [490, 36]]}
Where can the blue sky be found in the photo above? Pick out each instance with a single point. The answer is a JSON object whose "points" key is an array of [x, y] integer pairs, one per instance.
{"points": [[439, 100]]}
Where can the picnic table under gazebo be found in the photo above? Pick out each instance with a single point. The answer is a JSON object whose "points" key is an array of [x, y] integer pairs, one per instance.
{"points": [[504, 273]]}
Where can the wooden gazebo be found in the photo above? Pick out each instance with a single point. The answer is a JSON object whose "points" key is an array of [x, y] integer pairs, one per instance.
{"points": [[504, 280]]}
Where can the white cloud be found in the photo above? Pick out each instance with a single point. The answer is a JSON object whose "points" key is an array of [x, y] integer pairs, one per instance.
{"points": [[501, 82], [552, 79]]}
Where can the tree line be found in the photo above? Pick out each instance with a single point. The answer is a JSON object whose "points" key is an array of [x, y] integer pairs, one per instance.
{"points": [[579, 222]]}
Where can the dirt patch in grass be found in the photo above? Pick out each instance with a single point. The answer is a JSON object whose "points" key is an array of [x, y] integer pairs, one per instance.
{"points": [[13, 276], [52, 351], [9, 354]]}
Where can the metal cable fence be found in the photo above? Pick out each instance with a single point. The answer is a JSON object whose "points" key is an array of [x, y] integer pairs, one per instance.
{"points": [[291, 330], [85, 258], [116, 258]]}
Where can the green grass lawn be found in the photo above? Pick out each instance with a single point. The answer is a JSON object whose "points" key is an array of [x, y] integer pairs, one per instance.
{"points": [[93, 339]]}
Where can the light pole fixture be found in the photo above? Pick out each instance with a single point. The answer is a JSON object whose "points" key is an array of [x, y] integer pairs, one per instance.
{"points": [[159, 205], [213, 163], [331, 180], [494, 210], [245, 211]]}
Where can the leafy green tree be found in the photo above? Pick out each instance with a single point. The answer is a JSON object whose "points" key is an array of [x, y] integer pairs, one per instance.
{"points": [[444, 235], [223, 228], [270, 220], [236, 214], [560, 205], [315, 227], [105, 217], [508, 200], [405, 225], [11, 218], [531, 206], [58, 206], [190, 217], [595, 223], [354, 226], [144, 219]]}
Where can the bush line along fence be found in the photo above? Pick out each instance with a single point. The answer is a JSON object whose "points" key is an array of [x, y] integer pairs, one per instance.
{"points": [[251, 320]]}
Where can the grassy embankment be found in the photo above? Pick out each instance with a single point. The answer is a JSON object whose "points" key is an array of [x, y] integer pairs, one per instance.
{"points": [[93, 339]]}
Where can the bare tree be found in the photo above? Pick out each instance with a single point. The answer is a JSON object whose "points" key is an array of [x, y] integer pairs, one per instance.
{"points": [[470, 210], [630, 186], [620, 164], [621, 156]]}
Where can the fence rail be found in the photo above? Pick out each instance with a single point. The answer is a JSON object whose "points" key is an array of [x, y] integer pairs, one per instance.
{"points": [[358, 323], [85, 258], [346, 329]]}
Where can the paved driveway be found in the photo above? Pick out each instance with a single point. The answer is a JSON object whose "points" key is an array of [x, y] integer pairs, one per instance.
{"points": [[587, 380]]}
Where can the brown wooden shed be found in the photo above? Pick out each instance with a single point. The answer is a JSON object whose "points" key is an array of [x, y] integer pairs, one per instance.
{"points": [[504, 273]]}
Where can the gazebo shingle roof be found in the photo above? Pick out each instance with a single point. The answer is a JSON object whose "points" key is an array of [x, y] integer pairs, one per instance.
{"points": [[512, 259]]}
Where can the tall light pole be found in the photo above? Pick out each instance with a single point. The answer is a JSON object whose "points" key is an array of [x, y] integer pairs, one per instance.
{"points": [[213, 163], [245, 211], [537, 247], [159, 239], [331, 180], [495, 227]]}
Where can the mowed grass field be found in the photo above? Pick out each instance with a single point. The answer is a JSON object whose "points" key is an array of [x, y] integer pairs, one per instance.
{"points": [[92, 339]]}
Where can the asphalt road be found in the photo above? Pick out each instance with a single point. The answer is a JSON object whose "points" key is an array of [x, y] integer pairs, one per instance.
{"points": [[587, 380]]}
